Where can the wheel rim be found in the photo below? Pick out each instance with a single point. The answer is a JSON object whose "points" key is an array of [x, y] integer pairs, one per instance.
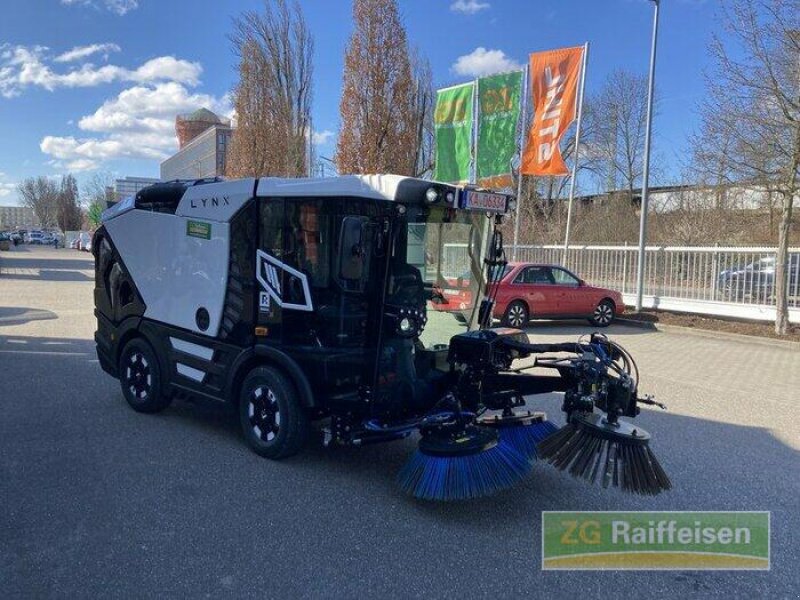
{"points": [[516, 315], [603, 314], [264, 414], [138, 376]]}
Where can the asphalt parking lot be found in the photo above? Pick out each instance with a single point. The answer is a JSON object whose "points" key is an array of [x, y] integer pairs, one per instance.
{"points": [[100, 501]]}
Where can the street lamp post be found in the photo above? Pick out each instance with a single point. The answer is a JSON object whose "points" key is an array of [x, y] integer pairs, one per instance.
{"points": [[646, 170]]}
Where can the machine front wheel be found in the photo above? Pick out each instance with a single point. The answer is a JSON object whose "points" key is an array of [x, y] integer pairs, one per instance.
{"points": [[273, 422], [140, 377]]}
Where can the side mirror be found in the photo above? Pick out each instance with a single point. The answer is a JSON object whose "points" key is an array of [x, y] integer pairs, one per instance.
{"points": [[581, 282], [351, 249]]}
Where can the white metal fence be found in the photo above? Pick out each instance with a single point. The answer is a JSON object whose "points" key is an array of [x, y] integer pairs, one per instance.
{"points": [[736, 282]]}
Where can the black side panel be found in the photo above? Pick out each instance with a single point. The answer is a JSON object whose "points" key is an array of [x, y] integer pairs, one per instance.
{"points": [[212, 370], [115, 293], [110, 338], [238, 313]]}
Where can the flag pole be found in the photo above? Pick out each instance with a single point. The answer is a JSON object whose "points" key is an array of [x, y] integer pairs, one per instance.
{"points": [[475, 116], [646, 170], [522, 134], [310, 149], [577, 152]]}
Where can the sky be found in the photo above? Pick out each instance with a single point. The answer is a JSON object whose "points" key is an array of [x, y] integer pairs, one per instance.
{"points": [[94, 85]]}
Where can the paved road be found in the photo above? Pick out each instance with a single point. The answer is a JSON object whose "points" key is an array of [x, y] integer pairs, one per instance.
{"points": [[96, 500]]}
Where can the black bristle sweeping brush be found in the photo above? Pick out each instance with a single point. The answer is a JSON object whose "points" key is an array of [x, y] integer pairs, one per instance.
{"points": [[455, 461], [521, 430], [614, 453]]}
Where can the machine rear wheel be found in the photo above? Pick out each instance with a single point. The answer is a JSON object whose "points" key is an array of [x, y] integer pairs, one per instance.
{"points": [[516, 315], [273, 422], [140, 377]]}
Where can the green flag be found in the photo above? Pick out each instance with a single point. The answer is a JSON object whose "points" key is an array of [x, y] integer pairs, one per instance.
{"points": [[499, 100], [453, 126]]}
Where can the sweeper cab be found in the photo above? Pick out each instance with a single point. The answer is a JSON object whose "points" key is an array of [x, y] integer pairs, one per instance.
{"points": [[326, 304]]}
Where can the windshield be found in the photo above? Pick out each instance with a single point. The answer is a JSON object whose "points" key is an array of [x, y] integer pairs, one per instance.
{"points": [[446, 247]]}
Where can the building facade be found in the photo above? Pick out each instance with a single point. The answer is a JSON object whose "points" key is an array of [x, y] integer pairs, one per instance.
{"points": [[128, 186], [203, 140], [17, 217]]}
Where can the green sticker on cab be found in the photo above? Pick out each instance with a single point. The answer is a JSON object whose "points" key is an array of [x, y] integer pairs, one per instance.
{"points": [[198, 229]]}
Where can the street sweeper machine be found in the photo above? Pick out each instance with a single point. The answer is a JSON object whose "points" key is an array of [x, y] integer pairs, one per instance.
{"points": [[359, 307]]}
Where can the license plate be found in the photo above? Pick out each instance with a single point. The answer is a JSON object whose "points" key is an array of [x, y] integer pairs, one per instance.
{"points": [[484, 201]]}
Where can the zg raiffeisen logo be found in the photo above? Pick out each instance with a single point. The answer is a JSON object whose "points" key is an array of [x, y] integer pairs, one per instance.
{"points": [[655, 540]]}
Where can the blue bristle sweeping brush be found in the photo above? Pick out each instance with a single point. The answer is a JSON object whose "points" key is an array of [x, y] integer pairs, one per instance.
{"points": [[458, 461], [521, 431]]}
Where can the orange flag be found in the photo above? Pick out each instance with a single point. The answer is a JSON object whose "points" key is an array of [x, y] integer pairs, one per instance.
{"points": [[554, 83]]}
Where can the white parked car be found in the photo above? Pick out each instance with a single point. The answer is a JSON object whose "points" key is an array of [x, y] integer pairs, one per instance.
{"points": [[85, 241]]}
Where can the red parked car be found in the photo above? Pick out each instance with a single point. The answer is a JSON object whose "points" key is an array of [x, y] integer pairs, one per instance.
{"points": [[533, 291]]}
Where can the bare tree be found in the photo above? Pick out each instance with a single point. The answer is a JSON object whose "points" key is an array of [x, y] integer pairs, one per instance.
{"points": [[751, 122], [274, 93], [423, 105], [69, 215], [41, 195], [379, 128], [96, 193], [618, 130]]}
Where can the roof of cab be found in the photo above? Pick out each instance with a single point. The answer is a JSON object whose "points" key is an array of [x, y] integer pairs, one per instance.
{"points": [[379, 187]]}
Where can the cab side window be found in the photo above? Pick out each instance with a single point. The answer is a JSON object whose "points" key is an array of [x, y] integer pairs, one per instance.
{"points": [[271, 226], [308, 243]]}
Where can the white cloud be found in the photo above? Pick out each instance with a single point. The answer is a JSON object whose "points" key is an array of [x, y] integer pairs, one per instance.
{"points": [[168, 68], [81, 52], [138, 123], [119, 7], [481, 62], [6, 189], [468, 7], [320, 138], [25, 66]]}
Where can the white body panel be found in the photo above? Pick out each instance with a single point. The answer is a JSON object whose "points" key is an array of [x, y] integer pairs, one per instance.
{"points": [[119, 208], [215, 201], [176, 274]]}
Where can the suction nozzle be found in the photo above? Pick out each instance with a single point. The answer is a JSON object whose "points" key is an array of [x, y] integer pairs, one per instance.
{"points": [[614, 453]]}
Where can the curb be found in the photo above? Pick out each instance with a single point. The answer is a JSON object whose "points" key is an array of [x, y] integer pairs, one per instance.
{"points": [[709, 333]]}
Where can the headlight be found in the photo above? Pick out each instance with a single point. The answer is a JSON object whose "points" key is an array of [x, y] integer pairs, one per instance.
{"points": [[450, 197], [408, 322], [431, 195], [512, 204]]}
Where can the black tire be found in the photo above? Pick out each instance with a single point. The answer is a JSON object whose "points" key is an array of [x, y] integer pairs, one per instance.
{"points": [[516, 315], [274, 423], [140, 377], [603, 314]]}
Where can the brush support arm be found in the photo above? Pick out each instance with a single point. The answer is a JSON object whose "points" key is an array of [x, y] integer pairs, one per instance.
{"points": [[597, 373]]}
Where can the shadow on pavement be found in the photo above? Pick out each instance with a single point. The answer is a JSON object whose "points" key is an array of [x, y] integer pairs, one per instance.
{"points": [[48, 264], [579, 327], [19, 315], [51, 275]]}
